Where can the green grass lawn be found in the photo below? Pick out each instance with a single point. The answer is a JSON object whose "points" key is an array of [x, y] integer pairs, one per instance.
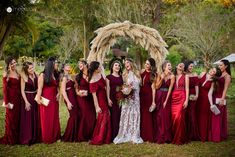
{"points": [[226, 148]]}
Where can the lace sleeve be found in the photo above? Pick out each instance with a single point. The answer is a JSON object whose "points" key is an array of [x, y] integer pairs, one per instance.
{"points": [[134, 81]]}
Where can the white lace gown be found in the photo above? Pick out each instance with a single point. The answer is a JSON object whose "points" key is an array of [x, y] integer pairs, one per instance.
{"points": [[129, 126]]}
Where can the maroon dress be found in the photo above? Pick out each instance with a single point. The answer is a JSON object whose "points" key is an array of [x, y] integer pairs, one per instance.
{"points": [[12, 94], [163, 132], [178, 112], [203, 111], [102, 132], [29, 120], [87, 115], [146, 117], [71, 131], [49, 115], [115, 109], [191, 121], [219, 129]]}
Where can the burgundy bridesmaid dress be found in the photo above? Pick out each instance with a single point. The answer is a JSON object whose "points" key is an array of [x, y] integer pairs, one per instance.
{"points": [[146, 117], [49, 115], [29, 120], [219, 129], [12, 94], [71, 131], [203, 111], [115, 109], [191, 121], [102, 132], [163, 132], [178, 112], [87, 115]]}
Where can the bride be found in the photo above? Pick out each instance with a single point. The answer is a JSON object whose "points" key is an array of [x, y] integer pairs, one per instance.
{"points": [[129, 126]]}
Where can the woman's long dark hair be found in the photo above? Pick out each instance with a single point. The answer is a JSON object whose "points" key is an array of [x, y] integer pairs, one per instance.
{"points": [[153, 69], [8, 61], [112, 64], [92, 68], [186, 65], [226, 63], [80, 75], [49, 70], [216, 78]]}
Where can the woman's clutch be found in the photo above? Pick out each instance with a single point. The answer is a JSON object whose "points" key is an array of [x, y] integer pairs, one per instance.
{"points": [[215, 109], [44, 101], [217, 101]]}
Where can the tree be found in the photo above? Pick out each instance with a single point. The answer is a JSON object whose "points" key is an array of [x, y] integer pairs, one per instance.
{"points": [[204, 27], [14, 15]]}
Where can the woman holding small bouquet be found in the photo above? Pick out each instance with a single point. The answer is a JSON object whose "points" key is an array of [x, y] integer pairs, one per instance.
{"points": [[129, 127]]}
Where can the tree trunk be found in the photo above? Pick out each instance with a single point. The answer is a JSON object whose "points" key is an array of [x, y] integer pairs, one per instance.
{"points": [[5, 36], [157, 14]]}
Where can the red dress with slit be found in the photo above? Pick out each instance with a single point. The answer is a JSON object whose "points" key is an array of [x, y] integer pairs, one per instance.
{"points": [[11, 94], [102, 132]]}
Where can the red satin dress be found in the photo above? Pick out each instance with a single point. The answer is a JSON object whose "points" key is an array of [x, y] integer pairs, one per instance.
{"points": [[219, 128], [87, 115], [115, 109], [146, 117], [11, 94], [102, 132], [203, 111], [178, 112], [29, 120], [191, 118], [49, 115], [71, 131], [163, 115]]}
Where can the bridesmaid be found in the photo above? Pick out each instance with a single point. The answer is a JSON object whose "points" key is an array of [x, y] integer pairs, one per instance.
{"points": [[179, 100], [113, 81], [163, 104], [85, 103], [69, 95], [102, 132], [12, 102], [191, 122], [219, 122], [203, 111], [29, 127], [49, 115], [146, 117]]}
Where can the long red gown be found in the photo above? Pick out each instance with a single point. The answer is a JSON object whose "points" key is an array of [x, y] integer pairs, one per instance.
{"points": [[29, 120], [163, 115], [146, 117], [191, 119], [71, 131], [102, 132], [87, 115], [203, 111], [178, 112], [219, 129], [115, 109], [12, 94], [49, 115]]}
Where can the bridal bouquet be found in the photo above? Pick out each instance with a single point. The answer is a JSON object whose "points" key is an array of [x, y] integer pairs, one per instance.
{"points": [[123, 92]]}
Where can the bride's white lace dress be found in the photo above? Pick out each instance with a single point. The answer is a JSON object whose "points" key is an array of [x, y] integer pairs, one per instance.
{"points": [[129, 126]]}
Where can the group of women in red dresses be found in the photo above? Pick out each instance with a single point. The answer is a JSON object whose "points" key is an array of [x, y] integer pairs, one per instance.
{"points": [[174, 107]]}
